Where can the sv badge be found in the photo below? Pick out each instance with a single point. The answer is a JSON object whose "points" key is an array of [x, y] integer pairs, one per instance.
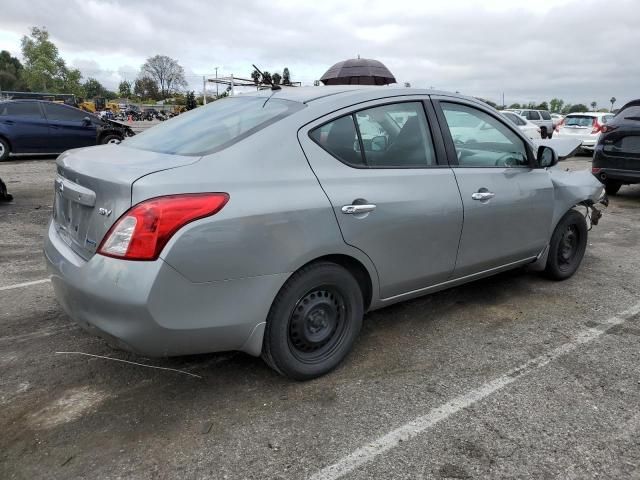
{"points": [[104, 211]]}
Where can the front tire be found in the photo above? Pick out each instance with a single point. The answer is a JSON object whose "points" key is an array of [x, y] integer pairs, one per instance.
{"points": [[113, 139], [5, 150], [313, 322], [567, 246]]}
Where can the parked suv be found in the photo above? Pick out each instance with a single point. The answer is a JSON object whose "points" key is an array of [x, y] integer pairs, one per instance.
{"points": [[616, 160], [542, 118], [37, 126]]}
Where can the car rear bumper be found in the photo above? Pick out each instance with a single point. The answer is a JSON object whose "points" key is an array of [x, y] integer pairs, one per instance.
{"points": [[150, 308], [617, 175]]}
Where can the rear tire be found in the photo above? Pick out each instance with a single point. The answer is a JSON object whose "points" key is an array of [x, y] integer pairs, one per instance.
{"points": [[313, 322], [567, 246], [612, 187], [5, 150]]}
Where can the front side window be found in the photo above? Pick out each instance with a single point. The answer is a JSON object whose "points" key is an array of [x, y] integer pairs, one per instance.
{"points": [[213, 127], [481, 140], [21, 109], [389, 136], [61, 113]]}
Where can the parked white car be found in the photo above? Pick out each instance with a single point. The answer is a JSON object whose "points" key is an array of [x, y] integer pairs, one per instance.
{"points": [[530, 129], [585, 126]]}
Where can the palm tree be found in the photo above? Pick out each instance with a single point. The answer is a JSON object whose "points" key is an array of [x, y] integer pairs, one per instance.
{"points": [[594, 105], [613, 100]]}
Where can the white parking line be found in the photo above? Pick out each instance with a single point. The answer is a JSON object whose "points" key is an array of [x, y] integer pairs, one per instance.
{"points": [[423, 423], [25, 284]]}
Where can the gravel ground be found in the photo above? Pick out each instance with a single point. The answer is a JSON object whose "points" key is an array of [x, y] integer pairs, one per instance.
{"points": [[509, 377]]}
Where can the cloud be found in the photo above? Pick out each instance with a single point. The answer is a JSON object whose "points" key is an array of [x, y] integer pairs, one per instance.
{"points": [[579, 50]]}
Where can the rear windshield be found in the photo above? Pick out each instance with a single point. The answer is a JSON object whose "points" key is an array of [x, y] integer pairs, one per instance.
{"points": [[213, 127], [578, 121]]}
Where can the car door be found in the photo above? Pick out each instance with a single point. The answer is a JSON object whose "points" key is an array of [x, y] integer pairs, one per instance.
{"points": [[508, 204], [394, 196], [69, 128], [24, 126]]}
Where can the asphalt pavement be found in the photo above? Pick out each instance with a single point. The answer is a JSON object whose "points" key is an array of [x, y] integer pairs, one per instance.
{"points": [[514, 376]]}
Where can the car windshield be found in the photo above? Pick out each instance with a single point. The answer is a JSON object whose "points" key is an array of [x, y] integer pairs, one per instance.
{"points": [[213, 127], [578, 121]]}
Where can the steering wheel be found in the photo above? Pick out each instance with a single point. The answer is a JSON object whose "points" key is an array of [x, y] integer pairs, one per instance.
{"points": [[506, 160]]}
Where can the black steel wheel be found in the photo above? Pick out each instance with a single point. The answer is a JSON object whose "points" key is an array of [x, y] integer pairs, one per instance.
{"points": [[313, 321], [567, 246]]}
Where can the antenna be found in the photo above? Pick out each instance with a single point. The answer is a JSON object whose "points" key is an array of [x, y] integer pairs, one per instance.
{"points": [[273, 85]]}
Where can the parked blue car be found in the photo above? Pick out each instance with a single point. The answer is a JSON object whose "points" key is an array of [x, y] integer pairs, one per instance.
{"points": [[38, 126]]}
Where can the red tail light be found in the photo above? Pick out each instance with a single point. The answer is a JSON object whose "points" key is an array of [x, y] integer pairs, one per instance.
{"points": [[596, 127], [559, 124], [595, 170], [143, 231]]}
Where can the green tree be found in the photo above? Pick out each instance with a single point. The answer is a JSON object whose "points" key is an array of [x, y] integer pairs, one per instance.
{"points": [[276, 77], [124, 89], [93, 88], [542, 106], [578, 107], [266, 78], [594, 105], [556, 105], [255, 76], [190, 100], [286, 76], [166, 72], [516, 106], [566, 108], [146, 87], [10, 72], [613, 101], [44, 68]]}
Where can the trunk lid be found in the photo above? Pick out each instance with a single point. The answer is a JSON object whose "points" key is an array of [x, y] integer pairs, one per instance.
{"points": [[93, 189]]}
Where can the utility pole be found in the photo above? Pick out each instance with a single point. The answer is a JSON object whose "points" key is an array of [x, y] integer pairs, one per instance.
{"points": [[204, 90], [217, 82], [231, 93]]}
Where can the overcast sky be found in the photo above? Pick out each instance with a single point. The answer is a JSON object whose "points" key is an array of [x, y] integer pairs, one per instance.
{"points": [[578, 50]]}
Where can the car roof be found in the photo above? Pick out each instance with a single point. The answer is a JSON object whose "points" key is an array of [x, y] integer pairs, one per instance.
{"points": [[312, 94], [590, 114]]}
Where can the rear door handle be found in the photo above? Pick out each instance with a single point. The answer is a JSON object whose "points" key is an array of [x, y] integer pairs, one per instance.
{"points": [[357, 209], [482, 195]]}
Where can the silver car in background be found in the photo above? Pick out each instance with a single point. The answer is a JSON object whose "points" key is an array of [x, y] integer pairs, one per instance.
{"points": [[270, 223]]}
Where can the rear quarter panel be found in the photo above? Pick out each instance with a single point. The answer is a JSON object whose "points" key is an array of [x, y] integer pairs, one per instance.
{"points": [[278, 217]]}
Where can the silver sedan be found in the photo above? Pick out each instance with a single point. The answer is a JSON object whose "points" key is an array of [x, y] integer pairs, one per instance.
{"points": [[270, 223]]}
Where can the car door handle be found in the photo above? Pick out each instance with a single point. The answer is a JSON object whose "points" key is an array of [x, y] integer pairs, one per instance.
{"points": [[357, 209], [9, 122], [482, 195]]}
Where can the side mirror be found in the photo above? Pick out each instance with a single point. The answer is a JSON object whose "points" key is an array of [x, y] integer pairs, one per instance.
{"points": [[86, 121], [547, 156], [379, 144]]}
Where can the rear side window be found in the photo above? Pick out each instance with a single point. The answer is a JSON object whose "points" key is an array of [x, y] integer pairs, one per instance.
{"points": [[631, 113], [389, 136], [545, 115], [21, 109], [340, 139], [61, 113], [533, 115], [213, 127]]}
